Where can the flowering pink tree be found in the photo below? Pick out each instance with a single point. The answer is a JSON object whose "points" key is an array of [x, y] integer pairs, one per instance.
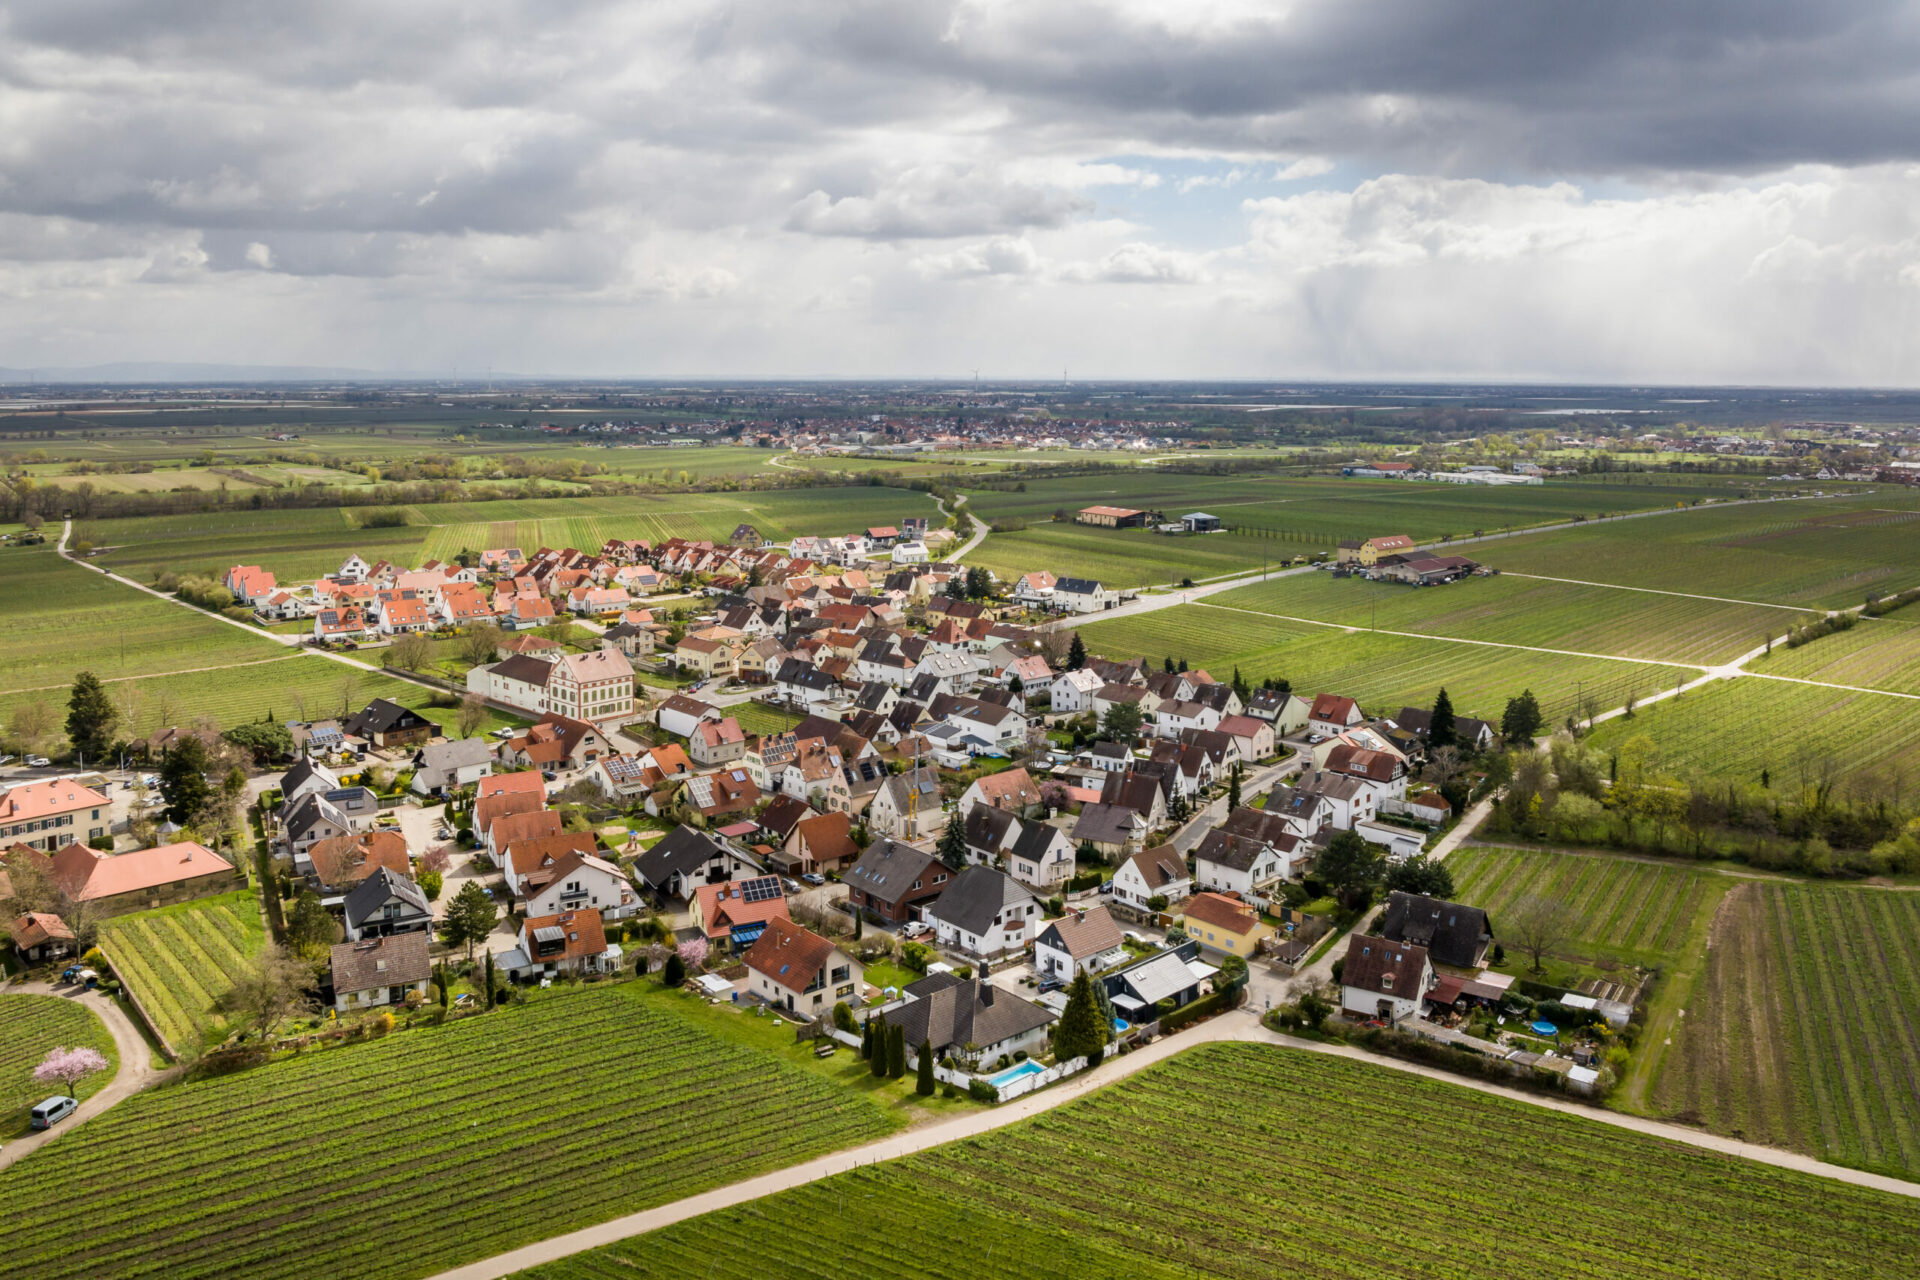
{"points": [[694, 952], [435, 860], [69, 1066]]}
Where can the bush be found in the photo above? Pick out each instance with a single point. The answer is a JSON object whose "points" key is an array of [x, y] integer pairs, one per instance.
{"points": [[464, 837], [843, 1017], [1199, 1009], [430, 882], [103, 843], [917, 956], [980, 1091]]}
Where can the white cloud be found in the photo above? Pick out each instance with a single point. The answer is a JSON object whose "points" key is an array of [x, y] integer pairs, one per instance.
{"points": [[1000, 256], [1140, 263]]}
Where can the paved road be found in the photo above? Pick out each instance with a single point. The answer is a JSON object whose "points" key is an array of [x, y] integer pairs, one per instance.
{"points": [[136, 1065], [979, 530]]}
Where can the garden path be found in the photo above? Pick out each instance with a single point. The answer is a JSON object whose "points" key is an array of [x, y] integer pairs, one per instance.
{"points": [[136, 1065]]}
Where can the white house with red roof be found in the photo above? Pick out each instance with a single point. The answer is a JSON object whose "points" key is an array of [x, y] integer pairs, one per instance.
{"points": [[53, 812], [250, 584], [1333, 714]]}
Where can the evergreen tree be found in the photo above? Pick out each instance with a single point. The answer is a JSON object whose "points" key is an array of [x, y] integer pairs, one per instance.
{"points": [[310, 926], [183, 780], [1122, 721], [1421, 875], [924, 1085], [1521, 720], [1079, 1033], [1166, 664], [1178, 810], [1233, 788], [1105, 1003], [1183, 665], [1440, 730], [469, 917], [490, 990], [1076, 653], [675, 972], [896, 1052], [90, 718], [953, 842], [866, 1039], [1241, 689], [1351, 866], [877, 1059]]}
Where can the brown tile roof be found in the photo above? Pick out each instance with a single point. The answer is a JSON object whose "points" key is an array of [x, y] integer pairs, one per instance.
{"points": [[829, 837], [790, 955], [1010, 786], [1385, 967], [488, 810], [1222, 912], [534, 859], [37, 927], [585, 936], [380, 962], [347, 860], [85, 874], [1086, 932], [1160, 865]]}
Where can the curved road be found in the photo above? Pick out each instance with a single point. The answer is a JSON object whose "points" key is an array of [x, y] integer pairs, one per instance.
{"points": [[136, 1065]]}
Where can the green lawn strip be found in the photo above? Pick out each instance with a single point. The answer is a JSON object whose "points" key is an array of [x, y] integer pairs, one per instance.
{"points": [[30, 1025]]}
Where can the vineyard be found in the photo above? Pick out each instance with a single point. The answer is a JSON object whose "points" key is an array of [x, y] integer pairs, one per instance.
{"points": [[1805, 1028], [1879, 653], [1275, 1162], [31, 1025], [179, 960], [438, 1146], [1796, 733], [1638, 912]]}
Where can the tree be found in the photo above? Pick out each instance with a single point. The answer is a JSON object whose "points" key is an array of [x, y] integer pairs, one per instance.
{"points": [[69, 1066], [409, 652], [264, 741], [953, 842], [472, 715], [273, 987], [924, 1084], [866, 1039], [693, 951], [1241, 689], [675, 973], [1521, 721], [1178, 810], [1233, 787], [1079, 1032], [1122, 721], [1421, 875], [896, 1051], [1536, 924], [1440, 727], [310, 926], [1350, 867], [877, 1055], [1315, 1009], [31, 724], [1105, 1003], [1076, 653], [183, 780], [91, 717], [1166, 664], [480, 643], [489, 979], [469, 918], [979, 583]]}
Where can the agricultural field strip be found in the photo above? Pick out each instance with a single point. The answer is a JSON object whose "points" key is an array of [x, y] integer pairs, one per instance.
{"points": [[1652, 904], [159, 675], [30, 1024], [1416, 635], [1827, 684], [1655, 591]]}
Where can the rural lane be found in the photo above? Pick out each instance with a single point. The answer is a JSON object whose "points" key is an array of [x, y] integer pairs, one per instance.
{"points": [[136, 1066]]}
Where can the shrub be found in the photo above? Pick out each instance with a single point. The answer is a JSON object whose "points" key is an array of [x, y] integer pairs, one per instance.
{"points": [[1200, 1008], [103, 843], [980, 1091], [430, 882], [843, 1017]]}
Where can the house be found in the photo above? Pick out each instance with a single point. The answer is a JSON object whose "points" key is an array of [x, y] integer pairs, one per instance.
{"points": [[1113, 830], [53, 812], [1452, 934], [821, 842], [1225, 925], [249, 583], [984, 912], [804, 683], [1344, 801], [634, 640], [1084, 940], [499, 821], [387, 724], [1332, 714], [707, 658], [114, 884], [569, 942], [556, 742], [1429, 807], [1108, 757], [441, 767], [379, 971], [310, 819], [1073, 691], [1472, 734], [1224, 862], [1383, 773], [722, 792], [306, 777], [401, 612], [1111, 517], [1159, 872], [716, 742], [681, 712], [385, 903], [1083, 595], [990, 833], [1011, 789], [892, 878], [596, 687], [801, 972], [1164, 981], [1034, 590], [1254, 738], [1109, 696], [732, 915], [585, 882], [1200, 522], [1384, 979], [1041, 857], [969, 1020], [1287, 713], [1143, 788], [684, 859], [528, 864], [341, 863], [40, 936], [907, 806], [1368, 553]]}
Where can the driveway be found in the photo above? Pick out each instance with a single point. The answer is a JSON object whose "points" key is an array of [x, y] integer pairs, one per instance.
{"points": [[136, 1064]]}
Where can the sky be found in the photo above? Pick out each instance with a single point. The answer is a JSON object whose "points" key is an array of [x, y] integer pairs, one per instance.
{"points": [[1347, 189]]}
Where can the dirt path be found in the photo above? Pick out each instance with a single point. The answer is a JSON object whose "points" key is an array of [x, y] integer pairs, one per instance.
{"points": [[136, 1066], [1655, 591]]}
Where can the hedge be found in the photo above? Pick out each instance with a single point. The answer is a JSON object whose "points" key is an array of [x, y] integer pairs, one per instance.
{"points": [[1199, 1009]]}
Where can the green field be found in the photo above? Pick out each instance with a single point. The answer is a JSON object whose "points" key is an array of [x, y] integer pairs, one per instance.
{"points": [[434, 1147], [1380, 1174], [1825, 552], [1878, 653], [1383, 672], [1796, 733], [1805, 1028], [31, 1025], [1642, 913], [180, 960]]}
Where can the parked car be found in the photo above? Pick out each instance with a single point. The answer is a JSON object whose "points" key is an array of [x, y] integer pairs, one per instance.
{"points": [[789, 885], [814, 877], [916, 929], [53, 1111], [38, 762]]}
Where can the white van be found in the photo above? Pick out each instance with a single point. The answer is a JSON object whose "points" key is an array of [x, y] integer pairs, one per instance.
{"points": [[53, 1111]]}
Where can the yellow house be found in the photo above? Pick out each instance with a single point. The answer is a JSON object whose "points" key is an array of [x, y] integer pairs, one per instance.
{"points": [[1369, 552], [708, 657], [1225, 925]]}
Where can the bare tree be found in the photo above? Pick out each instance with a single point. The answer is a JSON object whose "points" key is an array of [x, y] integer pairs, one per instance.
{"points": [[275, 987], [1443, 766], [349, 689], [1054, 643], [1537, 925], [410, 652], [299, 697], [130, 702], [473, 714], [480, 643], [32, 723]]}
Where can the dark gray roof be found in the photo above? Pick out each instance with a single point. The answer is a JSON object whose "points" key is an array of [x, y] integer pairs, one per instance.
{"points": [[1225, 849], [963, 1013], [1290, 802], [922, 784], [1034, 841], [524, 668], [382, 716], [987, 827], [888, 869], [372, 893], [807, 676], [381, 962], [302, 771], [1335, 786], [683, 852], [1453, 934], [976, 897], [1259, 825], [1104, 824], [1465, 728], [1076, 586], [309, 809]]}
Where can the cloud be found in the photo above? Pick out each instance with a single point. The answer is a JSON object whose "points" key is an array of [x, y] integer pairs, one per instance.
{"points": [[934, 202], [1000, 256], [1140, 263]]}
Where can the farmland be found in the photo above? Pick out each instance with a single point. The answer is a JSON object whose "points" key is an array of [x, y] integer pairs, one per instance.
{"points": [[31, 1025], [1797, 734], [180, 960], [1879, 653], [1383, 672], [1368, 1154], [1802, 1031], [1639, 912], [575, 1108]]}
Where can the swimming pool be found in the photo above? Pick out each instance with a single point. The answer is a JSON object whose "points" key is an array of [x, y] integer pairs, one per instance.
{"points": [[1011, 1074], [1121, 1026]]}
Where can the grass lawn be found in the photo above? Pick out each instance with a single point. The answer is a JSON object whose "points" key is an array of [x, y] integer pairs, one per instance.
{"points": [[1561, 1194], [31, 1025]]}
